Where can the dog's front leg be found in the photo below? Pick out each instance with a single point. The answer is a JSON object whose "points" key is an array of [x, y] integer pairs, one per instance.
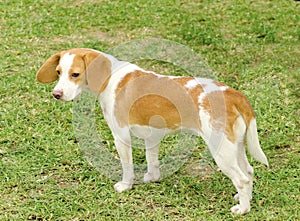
{"points": [[152, 150], [125, 154]]}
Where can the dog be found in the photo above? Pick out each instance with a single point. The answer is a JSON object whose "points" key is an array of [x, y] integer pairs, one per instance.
{"points": [[150, 106]]}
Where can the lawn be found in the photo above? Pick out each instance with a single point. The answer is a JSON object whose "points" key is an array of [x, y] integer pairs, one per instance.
{"points": [[253, 46]]}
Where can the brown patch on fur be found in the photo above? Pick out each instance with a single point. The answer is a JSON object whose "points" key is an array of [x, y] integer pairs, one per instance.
{"points": [[78, 66], [98, 71], [183, 80], [225, 107], [159, 101], [130, 77], [157, 112], [81, 51], [47, 73], [241, 103], [194, 92]]}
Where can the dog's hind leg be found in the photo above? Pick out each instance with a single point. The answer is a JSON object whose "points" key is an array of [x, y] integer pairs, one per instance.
{"points": [[246, 168], [227, 158], [240, 132]]}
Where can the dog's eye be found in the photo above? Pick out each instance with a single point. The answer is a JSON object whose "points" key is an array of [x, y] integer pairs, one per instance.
{"points": [[58, 72], [75, 75]]}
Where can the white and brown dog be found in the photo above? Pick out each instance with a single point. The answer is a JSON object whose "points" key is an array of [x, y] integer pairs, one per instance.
{"points": [[150, 106]]}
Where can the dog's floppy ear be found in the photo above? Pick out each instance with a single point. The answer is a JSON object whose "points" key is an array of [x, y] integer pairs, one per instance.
{"points": [[47, 72], [98, 71]]}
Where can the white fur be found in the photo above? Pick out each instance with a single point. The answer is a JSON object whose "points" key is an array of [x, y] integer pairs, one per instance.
{"points": [[253, 144], [191, 84]]}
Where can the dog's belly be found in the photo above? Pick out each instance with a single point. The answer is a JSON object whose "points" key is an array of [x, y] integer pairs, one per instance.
{"points": [[148, 132]]}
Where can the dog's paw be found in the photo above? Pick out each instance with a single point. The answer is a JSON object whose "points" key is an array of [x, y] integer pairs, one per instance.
{"points": [[237, 210], [122, 186], [151, 177]]}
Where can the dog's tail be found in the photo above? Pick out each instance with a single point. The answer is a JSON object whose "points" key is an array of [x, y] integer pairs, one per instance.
{"points": [[253, 143]]}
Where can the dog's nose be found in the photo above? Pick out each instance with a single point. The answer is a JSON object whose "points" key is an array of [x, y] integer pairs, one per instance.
{"points": [[57, 94]]}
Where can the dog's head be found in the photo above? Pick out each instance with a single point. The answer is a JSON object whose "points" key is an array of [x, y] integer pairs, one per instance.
{"points": [[76, 69]]}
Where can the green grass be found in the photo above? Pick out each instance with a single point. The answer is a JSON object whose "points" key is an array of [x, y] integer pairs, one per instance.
{"points": [[253, 46]]}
